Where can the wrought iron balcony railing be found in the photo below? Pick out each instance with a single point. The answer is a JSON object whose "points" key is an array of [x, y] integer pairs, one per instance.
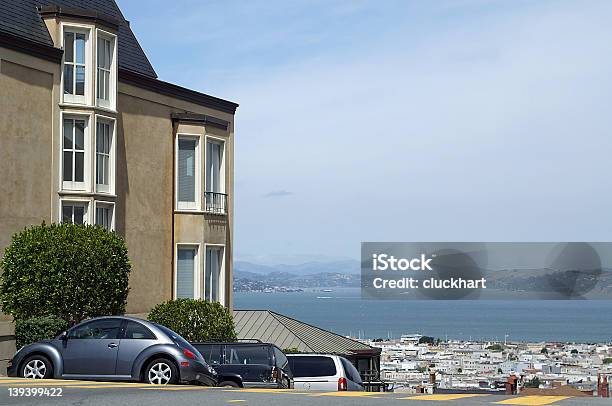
{"points": [[215, 202]]}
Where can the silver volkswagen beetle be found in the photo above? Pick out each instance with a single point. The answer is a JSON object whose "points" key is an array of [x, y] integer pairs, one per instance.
{"points": [[114, 348]]}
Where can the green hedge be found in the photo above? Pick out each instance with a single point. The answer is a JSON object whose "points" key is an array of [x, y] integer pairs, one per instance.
{"points": [[34, 329], [64, 270], [195, 320]]}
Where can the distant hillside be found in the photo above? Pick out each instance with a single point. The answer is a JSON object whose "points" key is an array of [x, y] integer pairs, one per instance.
{"points": [[247, 275], [308, 268]]}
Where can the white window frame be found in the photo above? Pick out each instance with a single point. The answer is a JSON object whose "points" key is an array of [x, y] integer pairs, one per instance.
{"points": [[81, 29], [72, 185], [108, 205], [112, 153], [111, 103], [86, 203], [209, 138], [222, 272], [189, 206], [197, 268]]}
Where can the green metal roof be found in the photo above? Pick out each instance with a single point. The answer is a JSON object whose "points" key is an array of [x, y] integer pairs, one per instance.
{"points": [[286, 332]]}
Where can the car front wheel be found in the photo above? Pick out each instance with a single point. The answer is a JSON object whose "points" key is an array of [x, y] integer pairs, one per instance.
{"points": [[37, 367], [161, 372]]}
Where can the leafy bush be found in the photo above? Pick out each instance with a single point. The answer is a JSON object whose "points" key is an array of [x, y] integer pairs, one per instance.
{"points": [[291, 350], [69, 271], [533, 383], [607, 361], [495, 347], [34, 329], [195, 320]]}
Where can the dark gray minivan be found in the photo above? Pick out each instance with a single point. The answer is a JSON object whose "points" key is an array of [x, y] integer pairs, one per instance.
{"points": [[247, 364]]}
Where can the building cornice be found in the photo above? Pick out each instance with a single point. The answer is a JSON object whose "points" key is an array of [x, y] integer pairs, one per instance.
{"points": [[43, 51], [172, 90], [201, 119]]}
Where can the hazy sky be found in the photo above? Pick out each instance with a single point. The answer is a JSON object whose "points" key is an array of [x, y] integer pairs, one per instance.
{"points": [[401, 120]]}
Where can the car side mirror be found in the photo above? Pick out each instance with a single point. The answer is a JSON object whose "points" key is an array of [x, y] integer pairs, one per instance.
{"points": [[63, 336]]}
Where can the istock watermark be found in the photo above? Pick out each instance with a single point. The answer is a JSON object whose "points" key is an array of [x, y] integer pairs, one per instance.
{"points": [[492, 270]]}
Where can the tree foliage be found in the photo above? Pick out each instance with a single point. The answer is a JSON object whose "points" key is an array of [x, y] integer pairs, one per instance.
{"points": [[195, 320], [68, 271], [28, 331], [533, 383]]}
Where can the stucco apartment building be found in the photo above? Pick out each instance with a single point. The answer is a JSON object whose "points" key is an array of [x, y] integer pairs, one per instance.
{"points": [[89, 134]]}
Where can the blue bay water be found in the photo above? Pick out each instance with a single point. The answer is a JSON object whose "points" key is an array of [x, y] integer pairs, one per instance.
{"points": [[344, 312]]}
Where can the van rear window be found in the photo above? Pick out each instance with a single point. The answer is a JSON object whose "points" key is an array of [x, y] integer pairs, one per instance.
{"points": [[312, 366]]}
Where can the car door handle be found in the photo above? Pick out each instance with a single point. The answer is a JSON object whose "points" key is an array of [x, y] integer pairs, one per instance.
{"points": [[113, 345]]}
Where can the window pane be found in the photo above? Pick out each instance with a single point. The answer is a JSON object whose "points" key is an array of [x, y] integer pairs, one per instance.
{"points": [[79, 213], [68, 79], [69, 46], [136, 331], [106, 85], [210, 352], [100, 52], [80, 80], [99, 216], [100, 94], [186, 170], [79, 166], [105, 169], [105, 329], [67, 214], [68, 165], [214, 153], [185, 266], [79, 135], [80, 48], [214, 257], [68, 129], [99, 170], [248, 354], [107, 54], [104, 216]]}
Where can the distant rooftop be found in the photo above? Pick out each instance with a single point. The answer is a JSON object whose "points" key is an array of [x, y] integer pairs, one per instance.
{"points": [[286, 332]]}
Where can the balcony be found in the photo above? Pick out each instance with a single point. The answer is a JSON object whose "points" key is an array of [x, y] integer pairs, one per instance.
{"points": [[215, 203]]}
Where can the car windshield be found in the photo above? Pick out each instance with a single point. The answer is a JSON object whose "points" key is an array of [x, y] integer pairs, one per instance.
{"points": [[180, 341]]}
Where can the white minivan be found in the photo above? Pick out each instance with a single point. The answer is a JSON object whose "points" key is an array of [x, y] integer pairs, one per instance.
{"points": [[324, 372]]}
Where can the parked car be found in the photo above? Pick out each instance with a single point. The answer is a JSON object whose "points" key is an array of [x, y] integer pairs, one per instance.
{"points": [[114, 348], [324, 372], [245, 364]]}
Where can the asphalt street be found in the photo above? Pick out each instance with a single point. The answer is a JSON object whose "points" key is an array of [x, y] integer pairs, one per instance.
{"points": [[17, 391]]}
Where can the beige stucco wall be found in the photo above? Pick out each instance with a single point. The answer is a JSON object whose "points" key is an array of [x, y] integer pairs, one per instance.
{"points": [[26, 106], [26, 154], [145, 204]]}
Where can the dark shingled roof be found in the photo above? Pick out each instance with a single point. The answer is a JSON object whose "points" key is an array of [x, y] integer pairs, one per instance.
{"points": [[21, 18], [285, 332]]}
